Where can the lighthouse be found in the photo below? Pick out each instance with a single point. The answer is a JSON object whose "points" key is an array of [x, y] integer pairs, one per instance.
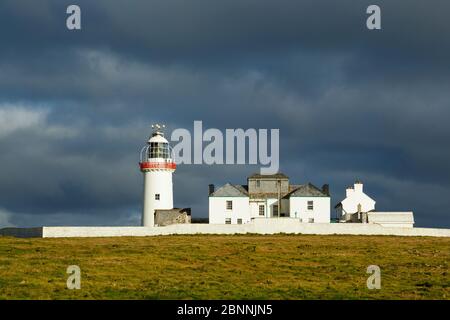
{"points": [[157, 165]]}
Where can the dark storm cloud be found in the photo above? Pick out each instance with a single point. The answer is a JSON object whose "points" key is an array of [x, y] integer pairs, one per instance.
{"points": [[349, 103], [204, 32]]}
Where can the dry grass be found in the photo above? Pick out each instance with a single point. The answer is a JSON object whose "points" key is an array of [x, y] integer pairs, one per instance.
{"points": [[226, 267]]}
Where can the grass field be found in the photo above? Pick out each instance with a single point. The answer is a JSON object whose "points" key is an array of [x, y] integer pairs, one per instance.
{"points": [[226, 267]]}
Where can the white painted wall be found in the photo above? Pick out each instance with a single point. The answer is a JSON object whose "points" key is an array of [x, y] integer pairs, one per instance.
{"points": [[254, 208], [245, 209], [218, 211], [320, 213], [268, 207], [156, 182], [257, 226]]}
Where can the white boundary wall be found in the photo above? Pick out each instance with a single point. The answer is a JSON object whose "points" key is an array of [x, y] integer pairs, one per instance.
{"points": [[257, 226]]}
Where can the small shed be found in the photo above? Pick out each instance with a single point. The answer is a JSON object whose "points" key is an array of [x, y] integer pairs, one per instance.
{"points": [[392, 219]]}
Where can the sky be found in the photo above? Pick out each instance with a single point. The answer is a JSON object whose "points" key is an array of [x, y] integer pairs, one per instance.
{"points": [[351, 103]]}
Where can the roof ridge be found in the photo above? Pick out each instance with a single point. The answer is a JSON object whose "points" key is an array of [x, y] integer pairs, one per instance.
{"points": [[234, 186], [309, 188], [314, 187], [238, 188]]}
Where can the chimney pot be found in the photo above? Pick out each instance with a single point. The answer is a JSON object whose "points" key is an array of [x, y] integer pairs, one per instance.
{"points": [[211, 189], [326, 189]]}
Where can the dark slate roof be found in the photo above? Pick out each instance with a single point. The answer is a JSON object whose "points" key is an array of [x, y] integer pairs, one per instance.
{"points": [[299, 190], [242, 188], [307, 190], [293, 187], [230, 190], [268, 176]]}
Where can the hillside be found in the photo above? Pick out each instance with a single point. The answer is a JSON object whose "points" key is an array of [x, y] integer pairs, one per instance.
{"points": [[226, 267]]}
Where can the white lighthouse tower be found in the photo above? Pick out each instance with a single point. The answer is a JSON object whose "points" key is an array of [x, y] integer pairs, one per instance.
{"points": [[157, 165]]}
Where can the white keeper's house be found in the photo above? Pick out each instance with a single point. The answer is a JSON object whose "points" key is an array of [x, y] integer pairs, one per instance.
{"points": [[356, 201], [358, 207], [268, 196]]}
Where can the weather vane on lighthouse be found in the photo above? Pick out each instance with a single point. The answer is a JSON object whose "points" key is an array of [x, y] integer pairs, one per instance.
{"points": [[157, 165], [157, 128]]}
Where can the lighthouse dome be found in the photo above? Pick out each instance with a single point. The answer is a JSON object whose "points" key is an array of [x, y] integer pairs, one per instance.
{"points": [[157, 148], [157, 138]]}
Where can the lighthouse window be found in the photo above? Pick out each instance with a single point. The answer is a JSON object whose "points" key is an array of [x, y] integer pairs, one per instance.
{"points": [[228, 221], [157, 196], [159, 150], [229, 205], [310, 205]]}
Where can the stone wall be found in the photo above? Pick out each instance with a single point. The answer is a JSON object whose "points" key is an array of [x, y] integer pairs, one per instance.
{"points": [[267, 185], [172, 216]]}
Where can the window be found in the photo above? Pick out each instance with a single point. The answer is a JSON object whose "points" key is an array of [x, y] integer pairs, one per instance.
{"points": [[262, 210], [311, 220], [275, 210], [239, 221], [157, 196], [228, 221], [159, 150], [258, 183], [310, 205], [229, 205]]}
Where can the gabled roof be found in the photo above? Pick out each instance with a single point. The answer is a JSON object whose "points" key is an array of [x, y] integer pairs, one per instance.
{"points": [[299, 190], [293, 187], [339, 204], [229, 190], [242, 188], [307, 190]]}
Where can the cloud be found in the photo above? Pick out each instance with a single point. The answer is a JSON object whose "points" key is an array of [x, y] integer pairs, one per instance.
{"points": [[75, 107], [14, 118]]}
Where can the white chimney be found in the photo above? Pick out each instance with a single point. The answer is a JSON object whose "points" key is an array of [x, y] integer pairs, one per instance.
{"points": [[358, 186], [349, 191]]}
